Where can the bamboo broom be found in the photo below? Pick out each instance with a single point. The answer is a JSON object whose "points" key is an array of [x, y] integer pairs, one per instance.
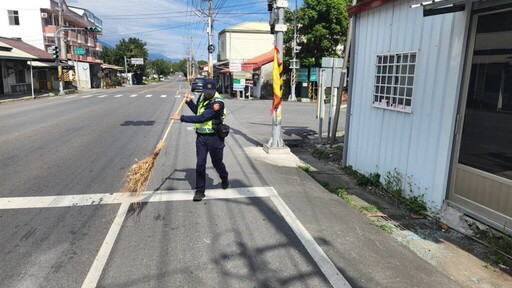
{"points": [[138, 174]]}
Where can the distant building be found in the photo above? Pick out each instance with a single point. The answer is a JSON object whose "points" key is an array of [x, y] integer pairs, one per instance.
{"points": [[237, 44], [36, 22], [19, 61]]}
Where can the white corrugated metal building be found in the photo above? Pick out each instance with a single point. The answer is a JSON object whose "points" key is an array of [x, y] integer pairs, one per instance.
{"points": [[422, 105]]}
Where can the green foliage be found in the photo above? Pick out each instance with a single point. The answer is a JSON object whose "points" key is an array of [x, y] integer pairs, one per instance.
{"points": [[416, 204], [345, 196], [501, 243], [321, 153], [351, 172], [325, 184], [370, 208], [159, 67], [305, 166], [180, 66], [372, 180], [393, 183], [322, 26], [131, 48], [387, 227]]}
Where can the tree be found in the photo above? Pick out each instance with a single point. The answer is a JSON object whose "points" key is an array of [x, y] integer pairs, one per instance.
{"points": [[131, 48], [107, 55], [159, 67], [322, 26], [180, 66]]}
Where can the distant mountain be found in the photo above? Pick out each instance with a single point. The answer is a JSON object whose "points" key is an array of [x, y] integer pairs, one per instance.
{"points": [[105, 44], [154, 56]]}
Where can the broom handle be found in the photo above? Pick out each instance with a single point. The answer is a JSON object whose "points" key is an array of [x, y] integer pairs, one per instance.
{"points": [[172, 121]]}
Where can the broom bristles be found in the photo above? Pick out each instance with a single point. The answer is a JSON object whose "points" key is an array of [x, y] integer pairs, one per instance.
{"points": [[138, 174]]}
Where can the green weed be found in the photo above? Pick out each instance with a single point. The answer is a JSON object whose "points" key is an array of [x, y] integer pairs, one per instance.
{"points": [[370, 208], [345, 196], [306, 167], [387, 227]]}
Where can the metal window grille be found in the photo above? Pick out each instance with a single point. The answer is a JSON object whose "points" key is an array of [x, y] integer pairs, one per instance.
{"points": [[14, 18], [394, 81]]}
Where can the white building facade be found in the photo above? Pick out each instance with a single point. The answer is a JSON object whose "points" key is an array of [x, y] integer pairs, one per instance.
{"points": [[239, 43], [416, 71], [37, 21]]}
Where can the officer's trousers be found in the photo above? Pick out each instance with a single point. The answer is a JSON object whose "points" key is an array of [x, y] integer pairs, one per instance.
{"points": [[209, 143]]}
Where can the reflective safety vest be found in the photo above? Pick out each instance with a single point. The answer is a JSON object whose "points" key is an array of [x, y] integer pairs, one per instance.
{"points": [[207, 127]]}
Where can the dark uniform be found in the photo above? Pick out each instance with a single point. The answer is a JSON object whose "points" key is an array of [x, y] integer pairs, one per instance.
{"points": [[207, 112]]}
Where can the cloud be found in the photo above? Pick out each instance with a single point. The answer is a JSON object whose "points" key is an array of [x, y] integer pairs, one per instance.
{"points": [[170, 27]]}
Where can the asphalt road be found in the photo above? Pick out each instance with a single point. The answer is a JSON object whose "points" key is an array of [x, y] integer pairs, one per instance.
{"points": [[63, 160]]}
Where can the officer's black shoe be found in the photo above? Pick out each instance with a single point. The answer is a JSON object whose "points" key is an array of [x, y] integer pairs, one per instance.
{"points": [[198, 196], [225, 184]]}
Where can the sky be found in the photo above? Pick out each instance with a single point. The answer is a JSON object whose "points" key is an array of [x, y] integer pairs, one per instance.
{"points": [[168, 25]]}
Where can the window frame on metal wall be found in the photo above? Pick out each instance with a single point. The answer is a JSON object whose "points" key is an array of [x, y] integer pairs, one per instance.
{"points": [[393, 86]]}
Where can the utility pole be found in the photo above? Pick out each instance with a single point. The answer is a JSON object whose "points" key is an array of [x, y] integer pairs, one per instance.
{"points": [[340, 91], [294, 63], [191, 69], [126, 71], [61, 44], [211, 48], [348, 111], [278, 6]]}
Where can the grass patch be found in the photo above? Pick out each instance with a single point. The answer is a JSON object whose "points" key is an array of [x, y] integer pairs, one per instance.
{"points": [[386, 227], [321, 153], [345, 196], [370, 208], [305, 166]]}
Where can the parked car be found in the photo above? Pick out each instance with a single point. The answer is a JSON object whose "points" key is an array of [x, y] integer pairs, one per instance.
{"points": [[197, 85]]}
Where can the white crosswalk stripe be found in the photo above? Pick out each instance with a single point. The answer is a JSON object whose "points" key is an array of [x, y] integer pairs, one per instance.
{"points": [[117, 96], [324, 263]]}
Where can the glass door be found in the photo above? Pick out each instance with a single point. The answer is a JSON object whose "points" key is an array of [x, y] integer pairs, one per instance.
{"points": [[483, 165]]}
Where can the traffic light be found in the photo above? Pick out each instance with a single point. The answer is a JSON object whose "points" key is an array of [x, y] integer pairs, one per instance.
{"points": [[55, 52], [93, 29]]}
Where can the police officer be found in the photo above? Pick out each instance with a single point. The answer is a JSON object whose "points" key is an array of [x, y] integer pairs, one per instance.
{"points": [[209, 109]]}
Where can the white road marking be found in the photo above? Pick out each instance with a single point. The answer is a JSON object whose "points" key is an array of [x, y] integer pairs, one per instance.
{"points": [[86, 96], [163, 96], [116, 198], [102, 96], [71, 96], [330, 271], [101, 259], [118, 95], [147, 96], [134, 95]]}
